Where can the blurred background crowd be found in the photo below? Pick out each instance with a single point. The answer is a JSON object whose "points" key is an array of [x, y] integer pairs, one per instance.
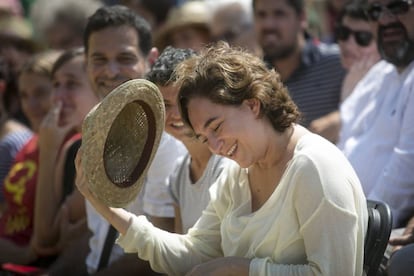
{"points": [[32, 26], [320, 48]]}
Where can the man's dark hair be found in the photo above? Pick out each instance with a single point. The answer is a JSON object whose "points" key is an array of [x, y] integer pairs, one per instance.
{"points": [[297, 5], [354, 9], [163, 68], [116, 16]]}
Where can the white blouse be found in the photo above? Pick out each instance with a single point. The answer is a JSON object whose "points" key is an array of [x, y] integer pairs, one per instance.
{"points": [[314, 223]]}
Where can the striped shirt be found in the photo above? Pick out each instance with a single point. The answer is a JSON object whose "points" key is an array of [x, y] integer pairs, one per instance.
{"points": [[315, 86]]}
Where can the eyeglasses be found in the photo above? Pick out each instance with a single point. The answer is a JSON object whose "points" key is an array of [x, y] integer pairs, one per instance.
{"points": [[362, 38], [399, 7]]}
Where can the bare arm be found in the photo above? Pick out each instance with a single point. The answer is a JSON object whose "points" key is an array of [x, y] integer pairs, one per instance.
{"points": [[48, 196], [327, 126]]}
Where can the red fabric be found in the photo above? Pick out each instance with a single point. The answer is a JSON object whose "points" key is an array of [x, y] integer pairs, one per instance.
{"points": [[19, 188], [16, 223]]}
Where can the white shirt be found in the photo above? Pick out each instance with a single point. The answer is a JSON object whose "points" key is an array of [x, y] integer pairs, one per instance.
{"points": [[313, 223], [154, 199], [192, 198], [377, 137]]}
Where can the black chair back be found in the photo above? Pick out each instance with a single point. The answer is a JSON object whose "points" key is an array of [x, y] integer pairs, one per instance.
{"points": [[377, 236]]}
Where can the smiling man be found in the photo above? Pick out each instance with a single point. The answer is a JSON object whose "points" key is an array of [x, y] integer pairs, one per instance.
{"points": [[118, 46], [312, 71]]}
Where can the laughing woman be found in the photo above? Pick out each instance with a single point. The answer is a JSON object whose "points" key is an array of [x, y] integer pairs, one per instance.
{"points": [[291, 206]]}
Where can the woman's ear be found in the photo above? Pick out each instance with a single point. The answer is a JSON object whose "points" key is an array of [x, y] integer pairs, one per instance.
{"points": [[254, 105]]}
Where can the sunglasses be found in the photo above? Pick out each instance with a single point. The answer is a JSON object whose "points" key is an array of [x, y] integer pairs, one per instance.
{"points": [[362, 38], [400, 7]]}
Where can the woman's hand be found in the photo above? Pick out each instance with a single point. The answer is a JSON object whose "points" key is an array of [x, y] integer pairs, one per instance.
{"points": [[222, 266], [51, 134], [356, 73], [118, 217]]}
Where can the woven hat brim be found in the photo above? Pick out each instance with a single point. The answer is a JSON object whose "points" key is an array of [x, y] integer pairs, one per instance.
{"points": [[102, 121]]}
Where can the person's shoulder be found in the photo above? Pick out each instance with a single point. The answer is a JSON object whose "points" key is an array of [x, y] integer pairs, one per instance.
{"points": [[377, 74], [409, 71], [170, 144], [329, 53], [318, 161], [314, 150], [325, 57], [30, 149], [181, 164], [169, 150], [328, 50], [16, 138], [383, 66]]}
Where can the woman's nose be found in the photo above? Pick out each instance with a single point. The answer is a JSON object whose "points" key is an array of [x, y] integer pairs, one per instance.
{"points": [[214, 144]]}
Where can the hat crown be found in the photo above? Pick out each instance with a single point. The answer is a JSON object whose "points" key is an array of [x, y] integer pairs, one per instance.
{"points": [[120, 137]]}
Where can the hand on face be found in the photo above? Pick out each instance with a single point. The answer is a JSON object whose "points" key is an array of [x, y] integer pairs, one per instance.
{"points": [[51, 134], [358, 69]]}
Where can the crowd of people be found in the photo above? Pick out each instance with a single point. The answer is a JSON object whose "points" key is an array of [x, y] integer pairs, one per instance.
{"points": [[282, 117]]}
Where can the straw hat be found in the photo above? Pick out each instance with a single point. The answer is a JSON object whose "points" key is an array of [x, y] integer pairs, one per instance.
{"points": [[120, 136], [192, 13]]}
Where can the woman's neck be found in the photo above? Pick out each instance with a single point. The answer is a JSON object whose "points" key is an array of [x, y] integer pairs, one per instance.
{"points": [[277, 149]]}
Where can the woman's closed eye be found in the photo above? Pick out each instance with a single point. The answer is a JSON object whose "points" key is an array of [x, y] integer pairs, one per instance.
{"points": [[217, 128]]}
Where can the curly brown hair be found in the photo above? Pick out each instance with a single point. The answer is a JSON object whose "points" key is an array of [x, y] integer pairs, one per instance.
{"points": [[228, 76]]}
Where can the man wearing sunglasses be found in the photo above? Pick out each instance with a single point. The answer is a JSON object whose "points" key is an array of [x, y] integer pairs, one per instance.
{"points": [[377, 119], [394, 36]]}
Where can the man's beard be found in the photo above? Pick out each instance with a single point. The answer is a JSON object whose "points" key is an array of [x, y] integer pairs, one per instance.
{"points": [[399, 53], [272, 55]]}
